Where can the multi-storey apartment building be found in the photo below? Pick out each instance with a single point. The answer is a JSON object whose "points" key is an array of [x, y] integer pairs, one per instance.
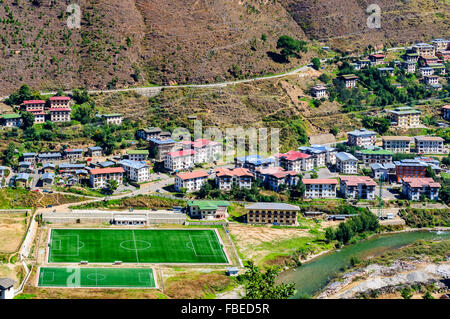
{"points": [[226, 178], [409, 168], [59, 114], [276, 176], [270, 213], [319, 91], [446, 112], [379, 156], [424, 49], [206, 151], [253, 162], [397, 144], [137, 155], [320, 188], [73, 153], [49, 157], [350, 80], [405, 117], [208, 209], [136, 171], [160, 148], [94, 151], [358, 187], [410, 67], [191, 181], [99, 177], [361, 137], [321, 154], [59, 102], [429, 144], [179, 160], [346, 163], [296, 161], [11, 120], [414, 188], [148, 133]]}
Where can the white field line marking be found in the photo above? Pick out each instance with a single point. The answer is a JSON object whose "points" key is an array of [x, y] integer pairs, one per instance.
{"points": [[135, 246]]}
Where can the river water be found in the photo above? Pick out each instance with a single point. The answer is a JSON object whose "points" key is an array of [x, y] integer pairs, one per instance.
{"points": [[316, 274]]}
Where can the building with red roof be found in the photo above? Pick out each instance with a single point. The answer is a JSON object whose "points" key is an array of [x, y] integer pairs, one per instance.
{"points": [[179, 160], [206, 151], [296, 161], [191, 181], [226, 178], [274, 177], [59, 114], [414, 188], [320, 188], [376, 59], [99, 177], [59, 101], [358, 187], [34, 105]]}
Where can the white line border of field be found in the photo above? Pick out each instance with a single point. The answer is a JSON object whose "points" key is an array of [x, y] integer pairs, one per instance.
{"points": [[99, 228], [155, 280]]}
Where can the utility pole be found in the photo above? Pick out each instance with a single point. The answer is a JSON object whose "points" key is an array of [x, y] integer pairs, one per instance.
{"points": [[380, 201]]}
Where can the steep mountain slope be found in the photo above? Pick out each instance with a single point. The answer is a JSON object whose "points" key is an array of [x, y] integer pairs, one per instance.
{"points": [[344, 22]]}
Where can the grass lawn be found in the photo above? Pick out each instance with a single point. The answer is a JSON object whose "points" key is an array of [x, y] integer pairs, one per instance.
{"points": [[96, 277], [136, 246]]}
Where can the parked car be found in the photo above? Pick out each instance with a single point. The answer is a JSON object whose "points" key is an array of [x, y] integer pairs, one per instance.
{"points": [[49, 206]]}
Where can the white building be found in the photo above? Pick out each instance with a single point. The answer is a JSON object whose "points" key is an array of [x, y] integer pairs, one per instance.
{"points": [[114, 118], [226, 178], [99, 177], [358, 187], [6, 288], [136, 171], [320, 188], [413, 188], [346, 163], [397, 144], [191, 181], [429, 145], [361, 137], [296, 161], [206, 151], [179, 160]]}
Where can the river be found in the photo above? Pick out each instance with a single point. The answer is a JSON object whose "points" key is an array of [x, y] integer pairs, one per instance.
{"points": [[317, 273]]}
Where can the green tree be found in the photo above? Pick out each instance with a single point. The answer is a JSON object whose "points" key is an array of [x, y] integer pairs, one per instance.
{"points": [[429, 172], [83, 113], [112, 185], [259, 285], [27, 119], [406, 293], [290, 47], [329, 234], [9, 154], [427, 295], [316, 63], [81, 96]]}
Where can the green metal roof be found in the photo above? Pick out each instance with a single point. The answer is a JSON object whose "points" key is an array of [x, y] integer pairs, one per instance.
{"points": [[208, 204], [11, 116], [137, 152], [112, 115], [377, 152]]}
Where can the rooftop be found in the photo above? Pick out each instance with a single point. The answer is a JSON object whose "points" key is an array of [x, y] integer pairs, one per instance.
{"points": [[429, 138], [343, 156], [421, 182], [133, 164], [181, 153], [240, 171], [322, 181], [192, 175], [272, 206], [208, 204], [396, 138], [59, 98], [362, 132], [377, 152], [356, 180], [137, 152], [109, 170]]}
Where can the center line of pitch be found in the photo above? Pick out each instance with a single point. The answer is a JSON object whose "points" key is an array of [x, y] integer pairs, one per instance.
{"points": [[135, 246]]}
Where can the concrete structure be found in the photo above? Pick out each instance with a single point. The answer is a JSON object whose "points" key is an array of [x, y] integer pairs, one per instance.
{"points": [[411, 57], [270, 213], [429, 145], [21, 180], [410, 67], [424, 49], [226, 178], [361, 137], [29, 157], [11, 120], [322, 155], [191, 181], [426, 71], [59, 114], [59, 101], [47, 179], [440, 44], [397, 144], [274, 177], [49, 157], [384, 171], [414, 188], [206, 151], [160, 148], [376, 156], [319, 91], [99, 177], [113, 118], [253, 162], [431, 79], [94, 151], [148, 133], [179, 160], [208, 209], [136, 171], [73, 153], [296, 161], [409, 168], [357, 187], [405, 117], [320, 188], [6, 288], [137, 155], [346, 163], [350, 80], [376, 59]]}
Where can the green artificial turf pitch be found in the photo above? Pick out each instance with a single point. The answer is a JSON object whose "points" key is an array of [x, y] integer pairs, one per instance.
{"points": [[135, 246], [96, 277]]}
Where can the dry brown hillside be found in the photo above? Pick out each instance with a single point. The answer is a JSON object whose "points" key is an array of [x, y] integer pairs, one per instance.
{"points": [[343, 22]]}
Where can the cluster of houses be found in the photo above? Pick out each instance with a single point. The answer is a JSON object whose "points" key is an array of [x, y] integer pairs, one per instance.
{"points": [[424, 59], [57, 109]]}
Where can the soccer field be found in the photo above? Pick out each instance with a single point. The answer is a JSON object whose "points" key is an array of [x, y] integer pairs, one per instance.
{"points": [[96, 277], [135, 246]]}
